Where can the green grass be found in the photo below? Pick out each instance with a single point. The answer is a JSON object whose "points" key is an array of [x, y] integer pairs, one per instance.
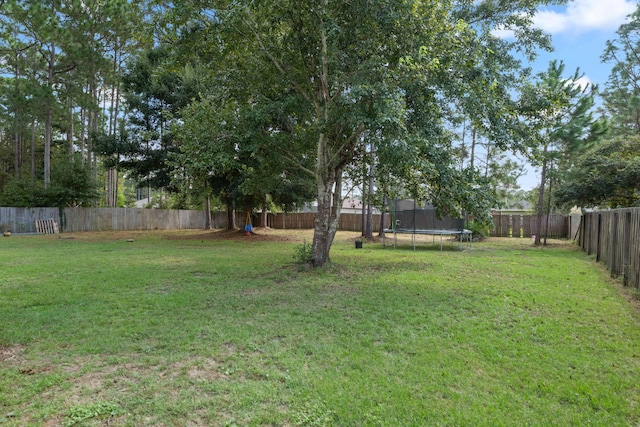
{"points": [[182, 329]]}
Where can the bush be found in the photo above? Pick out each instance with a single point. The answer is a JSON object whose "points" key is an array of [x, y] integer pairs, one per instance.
{"points": [[303, 255], [478, 231]]}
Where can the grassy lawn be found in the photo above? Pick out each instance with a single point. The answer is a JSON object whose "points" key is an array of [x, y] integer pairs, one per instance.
{"points": [[199, 329]]}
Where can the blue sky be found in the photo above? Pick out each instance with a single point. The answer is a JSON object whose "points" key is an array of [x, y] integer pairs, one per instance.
{"points": [[580, 31]]}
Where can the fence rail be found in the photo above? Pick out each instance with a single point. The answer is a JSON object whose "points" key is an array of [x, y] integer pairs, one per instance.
{"points": [[613, 236], [23, 220]]}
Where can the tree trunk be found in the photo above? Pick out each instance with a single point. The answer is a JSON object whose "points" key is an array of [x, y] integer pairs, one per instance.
{"points": [[263, 217], [82, 133], [546, 229], [16, 150], [117, 106], [207, 213], [328, 171], [231, 217], [363, 213], [463, 148], [488, 160], [114, 186], [89, 114], [94, 157], [33, 149], [112, 101], [369, 230], [47, 147], [47, 120], [329, 207], [383, 214], [70, 130], [16, 123], [541, 197], [473, 148]]}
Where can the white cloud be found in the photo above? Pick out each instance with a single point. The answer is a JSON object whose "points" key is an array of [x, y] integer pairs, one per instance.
{"points": [[586, 15], [582, 82], [502, 33]]}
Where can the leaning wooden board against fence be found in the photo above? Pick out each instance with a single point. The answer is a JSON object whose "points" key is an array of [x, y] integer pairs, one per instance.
{"points": [[525, 226], [614, 238], [46, 226]]}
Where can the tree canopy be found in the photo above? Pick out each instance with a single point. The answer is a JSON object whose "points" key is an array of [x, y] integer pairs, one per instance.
{"points": [[277, 103], [310, 83], [607, 174]]}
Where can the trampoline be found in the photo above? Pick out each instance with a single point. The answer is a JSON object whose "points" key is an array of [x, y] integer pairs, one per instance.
{"points": [[407, 217]]}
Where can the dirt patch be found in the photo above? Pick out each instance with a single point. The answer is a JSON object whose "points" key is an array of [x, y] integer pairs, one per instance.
{"points": [[206, 370], [259, 235], [12, 355]]}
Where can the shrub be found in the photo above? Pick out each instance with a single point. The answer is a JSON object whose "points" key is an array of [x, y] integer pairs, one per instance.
{"points": [[479, 231], [303, 255]]}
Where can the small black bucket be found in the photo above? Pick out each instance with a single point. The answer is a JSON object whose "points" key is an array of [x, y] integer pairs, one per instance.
{"points": [[358, 244]]}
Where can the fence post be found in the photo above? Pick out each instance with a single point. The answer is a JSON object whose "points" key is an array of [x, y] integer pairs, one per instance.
{"points": [[598, 241], [615, 270], [626, 255], [592, 235], [521, 226]]}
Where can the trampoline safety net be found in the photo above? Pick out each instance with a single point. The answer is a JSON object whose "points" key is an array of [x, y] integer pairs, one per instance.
{"points": [[409, 216]]}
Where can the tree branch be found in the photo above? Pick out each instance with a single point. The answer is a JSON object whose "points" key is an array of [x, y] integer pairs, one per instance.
{"points": [[272, 58], [356, 134], [18, 50]]}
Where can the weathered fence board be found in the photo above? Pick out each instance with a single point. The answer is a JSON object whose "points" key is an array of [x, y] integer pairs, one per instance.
{"points": [[120, 219], [22, 220], [614, 238], [305, 220], [525, 226]]}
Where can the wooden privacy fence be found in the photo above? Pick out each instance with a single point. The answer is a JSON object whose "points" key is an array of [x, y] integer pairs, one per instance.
{"points": [[614, 237], [301, 221], [559, 226], [23, 220]]}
